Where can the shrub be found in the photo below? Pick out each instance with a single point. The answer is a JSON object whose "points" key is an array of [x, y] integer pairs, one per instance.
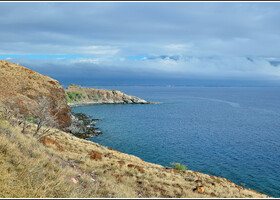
{"points": [[31, 119], [73, 96], [178, 166], [93, 97]]}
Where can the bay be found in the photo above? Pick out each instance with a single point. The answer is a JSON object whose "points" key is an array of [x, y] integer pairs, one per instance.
{"points": [[231, 132]]}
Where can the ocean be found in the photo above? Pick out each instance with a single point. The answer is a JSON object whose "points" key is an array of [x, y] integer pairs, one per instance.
{"points": [[230, 132]]}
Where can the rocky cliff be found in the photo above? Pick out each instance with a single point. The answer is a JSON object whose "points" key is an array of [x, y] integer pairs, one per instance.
{"points": [[77, 95], [23, 85]]}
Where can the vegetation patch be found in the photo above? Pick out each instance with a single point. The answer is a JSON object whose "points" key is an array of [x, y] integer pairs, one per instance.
{"points": [[73, 96], [31, 119], [93, 97], [178, 166]]}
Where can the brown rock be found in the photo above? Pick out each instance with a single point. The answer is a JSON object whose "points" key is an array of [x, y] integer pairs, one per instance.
{"points": [[168, 168], [141, 169], [96, 156], [108, 155], [118, 176], [130, 166], [200, 189], [121, 162], [229, 181], [49, 141]]}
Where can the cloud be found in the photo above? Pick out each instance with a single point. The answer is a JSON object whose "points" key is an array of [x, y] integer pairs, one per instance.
{"points": [[144, 39], [133, 28], [182, 67]]}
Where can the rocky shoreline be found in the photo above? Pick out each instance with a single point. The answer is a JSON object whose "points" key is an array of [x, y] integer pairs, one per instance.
{"points": [[94, 103], [83, 126]]}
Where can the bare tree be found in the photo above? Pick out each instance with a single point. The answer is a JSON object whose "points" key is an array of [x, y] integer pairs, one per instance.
{"points": [[10, 111], [42, 112], [44, 116]]}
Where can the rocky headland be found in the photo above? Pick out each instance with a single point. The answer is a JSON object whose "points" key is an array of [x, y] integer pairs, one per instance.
{"points": [[77, 95]]}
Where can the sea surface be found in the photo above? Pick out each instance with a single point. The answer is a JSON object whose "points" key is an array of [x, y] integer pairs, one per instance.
{"points": [[231, 132]]}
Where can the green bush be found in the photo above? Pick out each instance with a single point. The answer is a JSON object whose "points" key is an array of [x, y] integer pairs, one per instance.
{"points": [[178, 166], [93, 97], [73, 96], [68, 98], [31, 119]]}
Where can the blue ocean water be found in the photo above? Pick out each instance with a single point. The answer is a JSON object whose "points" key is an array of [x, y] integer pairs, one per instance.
{"points": [[231, 132]]}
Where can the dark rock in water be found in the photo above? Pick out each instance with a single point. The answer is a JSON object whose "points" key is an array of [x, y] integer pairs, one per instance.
{"points": [[96, 120], [82, 126]]}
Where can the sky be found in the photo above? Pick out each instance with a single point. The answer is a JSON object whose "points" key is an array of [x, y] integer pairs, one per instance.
{"points": [[144, 41]]}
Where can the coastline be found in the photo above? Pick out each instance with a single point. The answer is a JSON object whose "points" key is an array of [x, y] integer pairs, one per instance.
{"points": [[98, 103], [201, 180], [125, 173]]}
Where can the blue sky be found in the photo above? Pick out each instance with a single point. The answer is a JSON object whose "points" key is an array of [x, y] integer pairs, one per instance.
{"points": [[155, 40]]}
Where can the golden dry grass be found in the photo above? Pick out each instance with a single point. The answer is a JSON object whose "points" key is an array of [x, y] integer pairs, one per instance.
{"points": [[31, 169]]}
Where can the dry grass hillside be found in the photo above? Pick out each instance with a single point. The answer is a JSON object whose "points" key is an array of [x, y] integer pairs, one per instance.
{"points": [[62, 165], [21, 85]]}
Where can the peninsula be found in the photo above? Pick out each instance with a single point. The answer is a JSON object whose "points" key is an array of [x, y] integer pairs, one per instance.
{"points": [[77, 95]]}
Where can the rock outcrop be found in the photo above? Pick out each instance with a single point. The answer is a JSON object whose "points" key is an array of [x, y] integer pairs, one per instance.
{"points": [[77, 95], [83, 126], [23, 85]]}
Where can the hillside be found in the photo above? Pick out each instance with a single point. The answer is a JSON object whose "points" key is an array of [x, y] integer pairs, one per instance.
{"points": [[50, 163], [22, 85], [64, 166], [77, 95]]}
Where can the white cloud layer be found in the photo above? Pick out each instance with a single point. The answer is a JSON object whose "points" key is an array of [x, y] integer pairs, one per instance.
{"points": [[163, 67], [185, 39]]}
